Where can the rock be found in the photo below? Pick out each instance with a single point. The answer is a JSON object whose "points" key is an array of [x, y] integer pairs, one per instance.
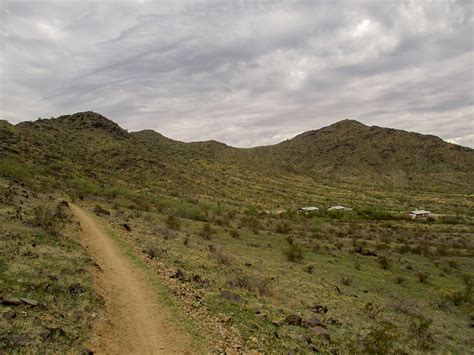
{"points": [[231, 296], [63, 204], [304, 338], [29, 301], [55, 331], [11, 301], [276, 323], [226, 319], [293, 319], [312, 322], [319, 309], [9, 315], [322, 332], [127, 227], [102, 212], [76, 289], [179, 274], [21, 340], [45, 334], [334, 321]]}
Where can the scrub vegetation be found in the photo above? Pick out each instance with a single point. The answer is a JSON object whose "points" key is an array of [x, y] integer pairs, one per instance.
{"points": [[220, 225]]}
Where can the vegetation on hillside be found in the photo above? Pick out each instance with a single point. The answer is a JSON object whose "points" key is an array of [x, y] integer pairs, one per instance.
{"points": [[221, 222]]}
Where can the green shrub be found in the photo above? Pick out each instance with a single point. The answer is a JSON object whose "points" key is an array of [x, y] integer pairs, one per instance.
{"points": [[294, 253], [50, 221], [11, 169], [188, 210], [384, 262], [173, 223], [207, 232], [84, 187], [252, 282], [420, 330], [381, 339]]}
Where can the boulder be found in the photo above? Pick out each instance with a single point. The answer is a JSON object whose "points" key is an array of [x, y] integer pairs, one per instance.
{"points": [[11, 301], [231, 296], [9, 315], [29, 301], [100, 211], [20, 340], [313, 322], [319, 309], [322, 332]]}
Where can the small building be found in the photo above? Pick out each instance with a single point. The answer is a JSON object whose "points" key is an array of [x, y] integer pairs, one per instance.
{"points": [[420, 214], [339, 208], [307, 209]]}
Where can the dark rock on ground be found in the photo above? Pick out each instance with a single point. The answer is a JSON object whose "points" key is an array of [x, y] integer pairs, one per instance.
{"points": [[294, 319], [11, 301], [63, 204], [334, 321], [319, 309], [179, 274], [322, 332], [231, 296], [29, 301], [102, 212], [127, 227], [20, 340], [304, 338], [76, 289], [312, 322], [8, 315], [45, 334]]}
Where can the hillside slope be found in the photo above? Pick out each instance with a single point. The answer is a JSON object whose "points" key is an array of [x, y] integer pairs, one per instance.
{"points": [[90, 151]]}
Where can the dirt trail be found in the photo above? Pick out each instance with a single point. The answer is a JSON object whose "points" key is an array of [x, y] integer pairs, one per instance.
{"points": [[137, 324]]}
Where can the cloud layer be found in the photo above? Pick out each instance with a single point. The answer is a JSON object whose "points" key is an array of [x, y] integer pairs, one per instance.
{"points": [[242, 72]]}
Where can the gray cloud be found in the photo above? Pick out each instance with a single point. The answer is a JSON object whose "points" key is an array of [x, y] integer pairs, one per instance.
{"points": [[242, 72]]}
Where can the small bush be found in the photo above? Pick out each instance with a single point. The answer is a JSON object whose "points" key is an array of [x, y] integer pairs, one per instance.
{"points": [[381, 339], [153, 251], [252, 282], [420, 330], [372, 310], [49, 220], [384, 262], [207, 232], [346, 280], [422, 277], [173, 222], [234, 234], [294, 253], [309, 268], [283, 228], [400, 280]]}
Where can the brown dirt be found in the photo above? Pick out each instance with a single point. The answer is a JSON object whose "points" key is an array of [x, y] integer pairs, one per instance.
{"points": [[136, 323]]}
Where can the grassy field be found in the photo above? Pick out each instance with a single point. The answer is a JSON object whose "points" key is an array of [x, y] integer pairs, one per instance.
{"points": [[360, 281], [47, 299], [218, 225]]}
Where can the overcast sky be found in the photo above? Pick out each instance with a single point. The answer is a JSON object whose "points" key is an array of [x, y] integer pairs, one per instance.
{"points": [[245, 73]]}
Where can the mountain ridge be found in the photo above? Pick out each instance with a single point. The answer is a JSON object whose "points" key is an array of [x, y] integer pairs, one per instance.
{"points": [[89, 146]]}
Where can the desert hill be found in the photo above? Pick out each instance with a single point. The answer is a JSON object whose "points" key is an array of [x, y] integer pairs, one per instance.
{"points": [[88, 149]]}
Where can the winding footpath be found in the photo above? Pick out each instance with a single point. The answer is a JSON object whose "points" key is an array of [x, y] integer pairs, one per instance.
{"points": [[137, 324]]}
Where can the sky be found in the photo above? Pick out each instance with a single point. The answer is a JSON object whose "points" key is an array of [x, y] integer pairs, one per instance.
{"points": [[245, 73]]}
